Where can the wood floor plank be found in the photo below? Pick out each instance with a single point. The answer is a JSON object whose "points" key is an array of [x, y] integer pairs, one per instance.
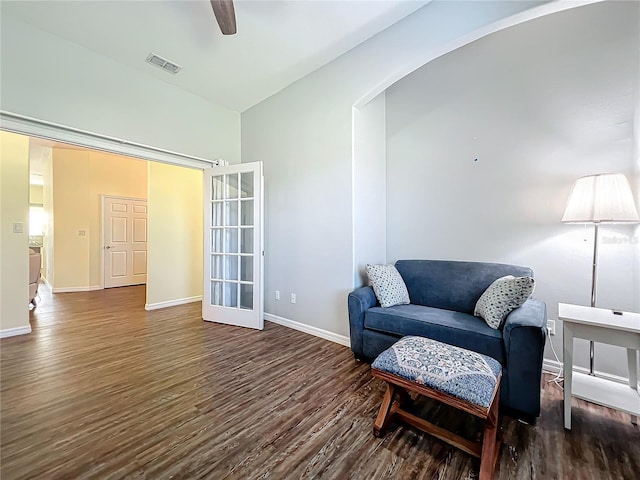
{"points": [[103, 389]]}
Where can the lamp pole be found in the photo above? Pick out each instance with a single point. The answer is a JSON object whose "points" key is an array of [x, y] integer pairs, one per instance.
{"points": [[594, 279]]}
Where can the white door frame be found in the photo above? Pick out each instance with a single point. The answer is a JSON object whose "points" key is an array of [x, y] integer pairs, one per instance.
{"points": [[102, 245], [33, 127]]}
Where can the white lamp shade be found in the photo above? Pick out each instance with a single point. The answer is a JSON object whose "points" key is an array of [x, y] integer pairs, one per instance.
{"points": [[601, 198]]}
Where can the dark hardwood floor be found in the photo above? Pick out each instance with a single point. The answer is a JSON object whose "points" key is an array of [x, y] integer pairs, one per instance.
{"points": [[103, 389]]}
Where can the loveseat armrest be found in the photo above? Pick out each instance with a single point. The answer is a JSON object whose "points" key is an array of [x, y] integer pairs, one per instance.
{"points": [[524, 337], [359, 301]]}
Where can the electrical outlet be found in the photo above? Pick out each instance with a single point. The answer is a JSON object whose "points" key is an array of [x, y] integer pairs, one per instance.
{"points": [[293, 298], [551, 327], [277, 294]]}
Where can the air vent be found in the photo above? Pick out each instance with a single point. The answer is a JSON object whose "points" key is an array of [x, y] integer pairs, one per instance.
{"points": [[163, 63]]}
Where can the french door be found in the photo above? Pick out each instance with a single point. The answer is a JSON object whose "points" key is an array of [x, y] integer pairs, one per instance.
{"points": [[233, 245]]}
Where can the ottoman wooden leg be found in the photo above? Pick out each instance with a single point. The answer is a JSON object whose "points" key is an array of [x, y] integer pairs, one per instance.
{"points": [[386, 412], [488, 458], [491, 442]]}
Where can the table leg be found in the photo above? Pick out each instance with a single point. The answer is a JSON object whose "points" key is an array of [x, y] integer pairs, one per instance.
{"points": [[632, 363], [567, 343]]}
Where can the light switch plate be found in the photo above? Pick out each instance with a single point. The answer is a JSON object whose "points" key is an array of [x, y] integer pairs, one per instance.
{"points": [[18, 227]]}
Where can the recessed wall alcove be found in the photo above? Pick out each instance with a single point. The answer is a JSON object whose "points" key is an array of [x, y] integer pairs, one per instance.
{"points": [[471, 156]]}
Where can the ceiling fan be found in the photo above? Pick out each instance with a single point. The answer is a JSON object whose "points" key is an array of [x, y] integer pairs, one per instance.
{"points": [[225, 15]]}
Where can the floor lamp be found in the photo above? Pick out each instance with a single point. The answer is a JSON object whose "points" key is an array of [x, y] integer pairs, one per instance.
{"points": [[604, 198]]}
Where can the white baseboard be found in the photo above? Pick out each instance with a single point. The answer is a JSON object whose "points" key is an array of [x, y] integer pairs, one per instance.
{"points": [[318, 332], [172, 303], [12, 332], [551, 366], [76, 289]]}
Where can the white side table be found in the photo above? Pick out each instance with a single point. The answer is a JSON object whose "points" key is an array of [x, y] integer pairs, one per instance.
{"points": [[600, 325]]}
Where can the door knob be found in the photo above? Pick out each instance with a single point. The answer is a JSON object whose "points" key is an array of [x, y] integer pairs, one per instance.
{"points": [[108, 247]]}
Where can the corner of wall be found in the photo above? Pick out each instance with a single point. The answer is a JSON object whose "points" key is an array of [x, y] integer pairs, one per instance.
{"points": [[14, 208], [635, 184], [369, 184]]}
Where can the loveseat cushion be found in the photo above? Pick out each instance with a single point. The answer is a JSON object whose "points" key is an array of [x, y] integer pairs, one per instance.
{"points": [[452, 285], [455, 328]]}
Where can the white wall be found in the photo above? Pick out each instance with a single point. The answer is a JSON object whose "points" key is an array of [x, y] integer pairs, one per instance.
{"points": [[52, 79], [537, 105], [304, 136]]}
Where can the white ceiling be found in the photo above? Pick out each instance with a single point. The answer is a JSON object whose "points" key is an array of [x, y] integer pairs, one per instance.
{"points": [[277, 42]]}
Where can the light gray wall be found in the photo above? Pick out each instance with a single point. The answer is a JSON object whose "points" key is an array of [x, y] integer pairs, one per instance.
{"points": [[52, 79], [369, 187], [538, 105], [304, 136]]}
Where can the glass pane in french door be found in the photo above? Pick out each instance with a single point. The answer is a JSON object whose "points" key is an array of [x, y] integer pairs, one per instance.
{"points": [[217, 187], [246, 240], [216, 293], [246, 268], [232, 253], [246, 185], [231, 212], [216, 267], [231, 267], [232, 185], [246, 212], [230, 294], [246, 296]]}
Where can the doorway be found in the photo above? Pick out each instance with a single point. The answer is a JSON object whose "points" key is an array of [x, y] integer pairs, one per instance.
{"points": [[74, 237]]}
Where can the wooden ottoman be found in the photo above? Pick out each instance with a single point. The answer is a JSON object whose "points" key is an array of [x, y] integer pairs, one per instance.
{"points": [[463, 379]]}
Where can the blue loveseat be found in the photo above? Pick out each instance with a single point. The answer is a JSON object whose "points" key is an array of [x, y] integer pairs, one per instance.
{"points": [[443, 295]]}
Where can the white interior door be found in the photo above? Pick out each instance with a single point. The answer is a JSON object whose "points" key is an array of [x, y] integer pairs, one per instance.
{"points": [[124, 223], [233, 245]]}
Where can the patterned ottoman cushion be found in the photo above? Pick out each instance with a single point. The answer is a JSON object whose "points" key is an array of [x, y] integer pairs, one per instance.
{"points": [[461, 373]]}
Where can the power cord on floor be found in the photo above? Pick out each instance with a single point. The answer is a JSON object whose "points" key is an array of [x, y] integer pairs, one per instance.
{"points": [[560, 375]]}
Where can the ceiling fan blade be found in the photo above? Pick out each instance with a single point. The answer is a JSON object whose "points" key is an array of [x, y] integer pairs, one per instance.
{"points": [[225, 15]]}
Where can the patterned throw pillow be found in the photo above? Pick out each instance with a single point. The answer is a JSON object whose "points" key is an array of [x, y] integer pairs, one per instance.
{"points": [[503, 295], [388, 285]]}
